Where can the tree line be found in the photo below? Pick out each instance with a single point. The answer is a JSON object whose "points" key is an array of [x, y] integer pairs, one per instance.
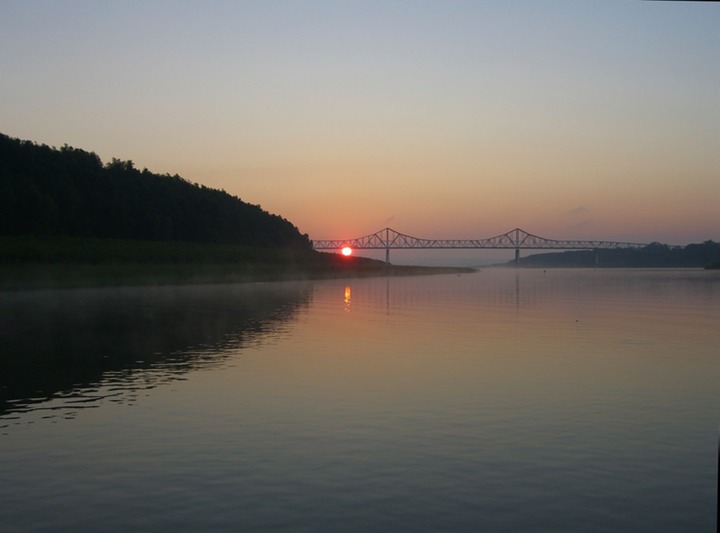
{"points": [[70, 192], [653, 255]]}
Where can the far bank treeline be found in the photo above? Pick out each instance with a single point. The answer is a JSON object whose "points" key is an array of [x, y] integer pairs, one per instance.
{"points": [[69, 192], [655, 255]]}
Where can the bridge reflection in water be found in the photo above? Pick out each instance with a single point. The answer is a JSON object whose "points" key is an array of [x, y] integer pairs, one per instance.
{"points": [[516, 239]]}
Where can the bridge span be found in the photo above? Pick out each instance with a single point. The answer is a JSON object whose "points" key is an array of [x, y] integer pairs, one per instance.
{"points": [[517, 239]]}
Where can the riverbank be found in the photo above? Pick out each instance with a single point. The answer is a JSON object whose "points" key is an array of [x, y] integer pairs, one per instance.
{"points": [[28, 263], [66, 276]]}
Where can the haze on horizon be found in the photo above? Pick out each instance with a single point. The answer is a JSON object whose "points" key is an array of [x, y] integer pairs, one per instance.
{"points": [[587, 120]]}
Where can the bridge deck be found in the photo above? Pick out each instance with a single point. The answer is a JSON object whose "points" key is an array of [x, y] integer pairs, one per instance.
{"points": [[388, 238]]}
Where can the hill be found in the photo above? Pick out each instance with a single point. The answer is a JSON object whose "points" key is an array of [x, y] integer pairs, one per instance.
{"points": [[69, 192], [68, 220]]}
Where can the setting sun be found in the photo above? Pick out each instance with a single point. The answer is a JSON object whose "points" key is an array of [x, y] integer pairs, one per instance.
{"points": [[346, 251]]}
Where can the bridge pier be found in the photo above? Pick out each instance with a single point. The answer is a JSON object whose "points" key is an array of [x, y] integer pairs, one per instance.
{"points": [[387, 255], [517, 256]]}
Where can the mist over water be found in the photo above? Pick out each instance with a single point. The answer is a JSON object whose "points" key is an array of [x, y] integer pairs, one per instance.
{"points": [[502, 400], [460, 257]]}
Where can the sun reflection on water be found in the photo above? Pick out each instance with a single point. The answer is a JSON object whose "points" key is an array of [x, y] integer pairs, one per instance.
{"points": [[348, 297]]}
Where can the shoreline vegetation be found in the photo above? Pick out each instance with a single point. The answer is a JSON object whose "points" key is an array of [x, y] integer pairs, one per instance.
{"points": [[83, 276], [69, 220], [655, 255], [31, 263]]}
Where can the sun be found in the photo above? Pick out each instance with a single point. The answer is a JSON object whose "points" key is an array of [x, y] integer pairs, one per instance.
{"points": [[346, 251]]}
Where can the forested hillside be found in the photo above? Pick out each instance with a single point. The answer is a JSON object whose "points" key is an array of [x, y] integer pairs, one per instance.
{"points": [[70, 192]]}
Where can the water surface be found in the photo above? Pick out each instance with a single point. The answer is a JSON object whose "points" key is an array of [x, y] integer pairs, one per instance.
{"points": [[504, 400]]}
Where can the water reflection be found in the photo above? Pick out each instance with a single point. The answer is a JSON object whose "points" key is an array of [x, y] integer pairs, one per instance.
{"points": [[63, 351], [529, 290], [586, 400], [348, 297]]}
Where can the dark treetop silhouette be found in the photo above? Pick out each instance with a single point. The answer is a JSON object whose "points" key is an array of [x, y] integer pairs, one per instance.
{"points": [[69, 192]]}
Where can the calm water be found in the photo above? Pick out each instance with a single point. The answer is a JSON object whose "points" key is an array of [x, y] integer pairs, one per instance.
{"points": [[497, 401]]}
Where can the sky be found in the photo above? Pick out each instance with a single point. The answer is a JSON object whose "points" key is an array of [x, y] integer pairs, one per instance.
{"points": [[594, 119]]}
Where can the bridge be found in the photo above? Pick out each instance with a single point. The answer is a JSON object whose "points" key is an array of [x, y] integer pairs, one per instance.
{"points": [[517, 239]]}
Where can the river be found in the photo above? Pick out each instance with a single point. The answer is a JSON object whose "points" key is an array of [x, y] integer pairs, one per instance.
{"points": [[504, 400]]}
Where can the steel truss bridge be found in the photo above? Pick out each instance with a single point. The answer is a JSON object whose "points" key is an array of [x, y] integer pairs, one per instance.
{"points": [[517, 239]]}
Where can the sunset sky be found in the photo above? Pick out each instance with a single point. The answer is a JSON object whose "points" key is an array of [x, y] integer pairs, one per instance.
{"points": [[442, 119]]}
